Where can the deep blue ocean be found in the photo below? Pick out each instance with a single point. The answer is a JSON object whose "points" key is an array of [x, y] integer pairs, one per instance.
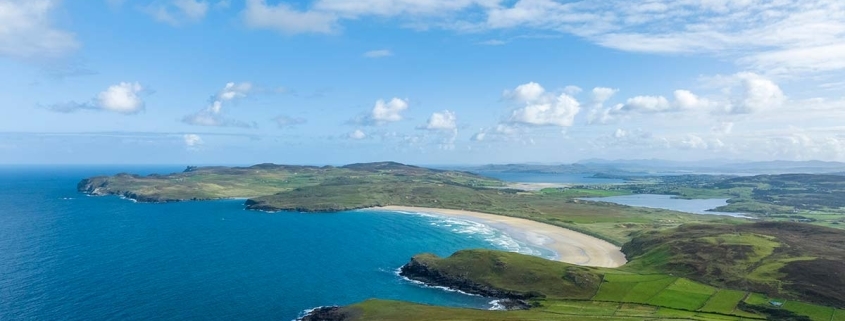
{"points": [[67, 256]]}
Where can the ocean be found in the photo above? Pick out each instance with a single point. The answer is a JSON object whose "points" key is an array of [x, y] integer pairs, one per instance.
{"points": [[68, 256]]}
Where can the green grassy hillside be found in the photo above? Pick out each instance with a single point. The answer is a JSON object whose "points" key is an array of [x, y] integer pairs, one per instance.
{"points": [[788, 260], [561, 291]]}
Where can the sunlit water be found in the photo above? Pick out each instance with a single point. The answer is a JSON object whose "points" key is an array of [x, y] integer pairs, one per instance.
{"points": [[67, 256], [669, 202]]}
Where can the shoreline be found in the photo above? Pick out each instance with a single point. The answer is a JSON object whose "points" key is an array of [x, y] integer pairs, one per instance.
{"points": [[570, 246]]}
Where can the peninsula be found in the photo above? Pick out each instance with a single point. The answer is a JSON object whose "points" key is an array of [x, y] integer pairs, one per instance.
{"points": [[679, 265]]}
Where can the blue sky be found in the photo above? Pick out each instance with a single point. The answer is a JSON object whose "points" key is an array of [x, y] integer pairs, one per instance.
{"points": [[419, 81]]}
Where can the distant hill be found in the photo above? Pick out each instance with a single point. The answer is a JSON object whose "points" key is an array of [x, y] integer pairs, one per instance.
{"points": [[667, 167]]}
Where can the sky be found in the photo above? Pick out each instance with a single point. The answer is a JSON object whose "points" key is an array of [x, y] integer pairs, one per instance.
{"points": [[420, 81]]}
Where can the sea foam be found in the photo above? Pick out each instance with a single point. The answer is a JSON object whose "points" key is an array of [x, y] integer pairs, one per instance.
{"points": [[493, 236]]}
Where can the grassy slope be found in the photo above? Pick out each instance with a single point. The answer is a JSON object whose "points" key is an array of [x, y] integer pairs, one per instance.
{"points": [[789, 260], [569, 292], [268, 179]]}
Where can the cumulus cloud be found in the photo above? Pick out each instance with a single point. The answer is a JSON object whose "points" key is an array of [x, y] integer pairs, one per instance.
{"points": [[286, 122], [542, 108], [598, 96], [758, 94], [647, 104], [124, 98], [213, 115], [27, 32], [441, 121], [357, 135], [383, 113], [444, 127], [686, 100], [378, 53]]}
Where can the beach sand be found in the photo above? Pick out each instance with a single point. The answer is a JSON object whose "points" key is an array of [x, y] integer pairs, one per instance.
{"points": [[570, 246]]}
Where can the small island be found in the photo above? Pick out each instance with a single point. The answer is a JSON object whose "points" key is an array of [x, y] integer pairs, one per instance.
{"points": [[679, 265]]}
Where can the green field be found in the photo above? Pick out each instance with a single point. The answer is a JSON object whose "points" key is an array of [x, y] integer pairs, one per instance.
{"points": [[552, 310], [815, 312], [562, 289], [724, 301]]}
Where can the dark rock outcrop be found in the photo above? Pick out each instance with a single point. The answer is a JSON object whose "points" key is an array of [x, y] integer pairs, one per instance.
{"points": [[420, 271], [328, 314]]}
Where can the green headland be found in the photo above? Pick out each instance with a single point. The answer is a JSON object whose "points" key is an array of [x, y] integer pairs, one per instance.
{"points": [[788, 263]]}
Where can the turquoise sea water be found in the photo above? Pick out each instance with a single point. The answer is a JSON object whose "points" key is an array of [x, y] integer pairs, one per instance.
{"points": [[67, 256]]}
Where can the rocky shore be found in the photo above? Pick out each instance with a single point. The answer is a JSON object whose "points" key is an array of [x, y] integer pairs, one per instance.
{"points": [[510, 300]]}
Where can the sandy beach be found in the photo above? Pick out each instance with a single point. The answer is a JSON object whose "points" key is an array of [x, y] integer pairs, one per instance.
{"points": [[570, 246]]}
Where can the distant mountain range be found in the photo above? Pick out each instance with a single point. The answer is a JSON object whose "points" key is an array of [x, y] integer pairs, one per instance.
{"points": [[667, 167]]}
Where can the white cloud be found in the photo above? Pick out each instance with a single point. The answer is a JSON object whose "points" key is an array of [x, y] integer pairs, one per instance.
{"points": [[192, 140], [26, 30], [441, 121], [357, 135], [602, 94], [598, 96], [284, 19], [233, 90], [378, 53], [685, 99], [531, 91], [647, 104], [759, 93], [213, 115], [444, 128], [385, 112], [776, 36], [542, 108], [125, 98], [122, 98], [560, 112]]}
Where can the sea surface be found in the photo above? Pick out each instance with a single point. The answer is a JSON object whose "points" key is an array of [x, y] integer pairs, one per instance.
{"points": [[669, 202], [68, 256], [549, 178]]}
